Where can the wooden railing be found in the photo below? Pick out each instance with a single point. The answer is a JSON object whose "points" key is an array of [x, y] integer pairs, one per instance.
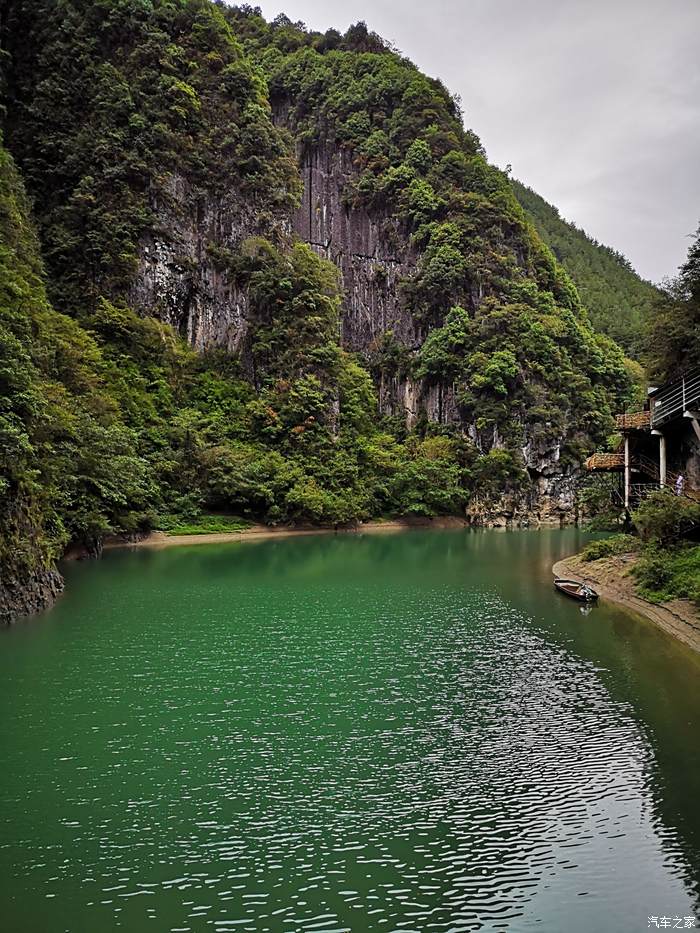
{"points": [[651, 468], [615, 463]]}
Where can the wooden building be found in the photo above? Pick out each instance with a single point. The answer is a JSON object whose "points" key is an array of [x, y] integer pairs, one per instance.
{"points": [[660, 445]]}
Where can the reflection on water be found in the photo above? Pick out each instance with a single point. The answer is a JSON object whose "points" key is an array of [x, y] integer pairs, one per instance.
{"points": [[391, 732]]}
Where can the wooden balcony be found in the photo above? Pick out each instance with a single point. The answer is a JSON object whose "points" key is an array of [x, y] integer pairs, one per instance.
{"points": [[606, 462], [634, 421]]}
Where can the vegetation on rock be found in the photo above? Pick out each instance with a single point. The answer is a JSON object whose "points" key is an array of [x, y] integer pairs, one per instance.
{"points": [[667, 564], [104, 102], [666, 524], [501, 321]]}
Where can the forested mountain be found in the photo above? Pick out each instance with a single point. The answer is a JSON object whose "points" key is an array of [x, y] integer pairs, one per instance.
{"points": [[272, 276], [619, 302]]}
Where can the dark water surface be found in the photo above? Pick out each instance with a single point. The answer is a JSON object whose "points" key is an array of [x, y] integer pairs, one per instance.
{"points": [[392, 732]]}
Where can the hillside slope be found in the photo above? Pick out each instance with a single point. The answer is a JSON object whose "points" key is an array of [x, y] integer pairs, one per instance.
{"points": [[619, 302]]}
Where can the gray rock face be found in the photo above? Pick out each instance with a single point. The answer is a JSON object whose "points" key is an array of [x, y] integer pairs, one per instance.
{"points": [[373, 255], [371, 252], [28, 595], [180, 279], [548, 501]]}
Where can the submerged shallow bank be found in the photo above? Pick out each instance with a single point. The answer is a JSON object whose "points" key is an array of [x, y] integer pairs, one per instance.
{"points": [[255, 532], [610, 576], [21, 599]]}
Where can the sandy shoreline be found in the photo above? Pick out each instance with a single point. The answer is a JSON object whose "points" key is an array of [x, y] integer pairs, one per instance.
{"points": [[158, 539], [610, 577]]}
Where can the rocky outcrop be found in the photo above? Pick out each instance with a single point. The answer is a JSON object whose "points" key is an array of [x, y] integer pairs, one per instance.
{"points": [[546, 501], [547, 495], [371, 251], [29, 594], [182, 276]]}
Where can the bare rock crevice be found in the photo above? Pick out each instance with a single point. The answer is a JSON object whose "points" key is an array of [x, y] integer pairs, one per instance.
{"points": [[371, 253], [181, 279]]}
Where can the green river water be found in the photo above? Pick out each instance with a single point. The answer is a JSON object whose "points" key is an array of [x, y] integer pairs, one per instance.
{"points": [[394, 732]]}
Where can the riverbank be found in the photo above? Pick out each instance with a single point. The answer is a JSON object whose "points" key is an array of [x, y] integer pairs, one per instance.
{"points": [[159, 539], [612, 579]]}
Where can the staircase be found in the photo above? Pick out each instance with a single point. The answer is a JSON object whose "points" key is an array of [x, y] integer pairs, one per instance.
{"points": [[639, 464], [650, 468], [638, 492]]}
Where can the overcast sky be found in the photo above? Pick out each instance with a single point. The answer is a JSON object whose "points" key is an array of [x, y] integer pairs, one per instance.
{"points": [[594, 103]]}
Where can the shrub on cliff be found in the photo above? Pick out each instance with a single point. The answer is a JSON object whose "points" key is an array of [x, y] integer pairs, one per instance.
{"points": [[109, 419], [498, 322], [105, 101], [619, 302], [673, 340], [69, 464]]}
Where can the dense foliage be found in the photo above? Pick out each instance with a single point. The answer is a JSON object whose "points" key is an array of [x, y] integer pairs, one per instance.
{"points": [[662, 575], [613, 546], [620, 304], [123, 427], [667, 525], [104, 101], [669, 565], [664, 519], [68, 468], [674, 331], [110, 422], [667, 559]]}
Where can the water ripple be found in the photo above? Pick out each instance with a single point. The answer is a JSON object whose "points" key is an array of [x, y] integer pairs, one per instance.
{"points": [[337, 763]]}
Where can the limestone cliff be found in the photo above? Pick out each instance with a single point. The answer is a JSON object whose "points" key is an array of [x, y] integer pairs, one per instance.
{"points": [[26, 595], [374, 256], [372, 253], [181, 278], [174, 156]]}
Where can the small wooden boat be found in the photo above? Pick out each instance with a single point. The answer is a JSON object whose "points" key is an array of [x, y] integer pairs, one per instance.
{"points": [[580, 591]]}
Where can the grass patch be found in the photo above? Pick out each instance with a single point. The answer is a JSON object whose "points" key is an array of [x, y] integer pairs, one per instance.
{"points": [[202, 525], [664, 574]]}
